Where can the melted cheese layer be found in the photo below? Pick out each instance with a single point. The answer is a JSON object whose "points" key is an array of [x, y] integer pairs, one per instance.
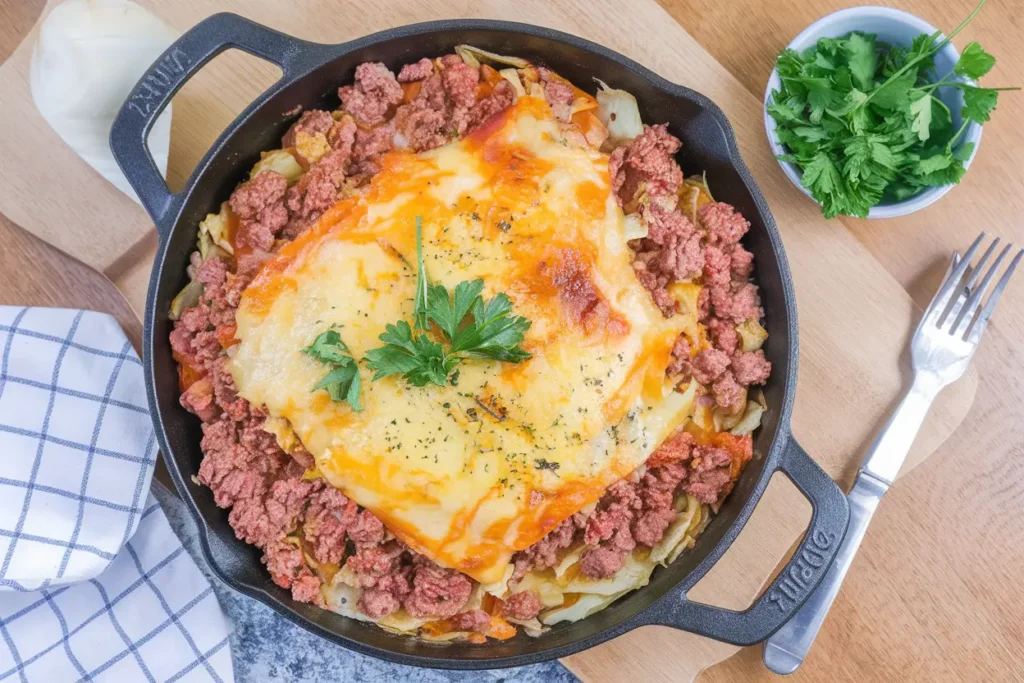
{"points": [[470, 473]]}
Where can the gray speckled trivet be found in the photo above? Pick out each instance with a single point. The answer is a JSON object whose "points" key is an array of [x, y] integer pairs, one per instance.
{"points": [[266, 647]]}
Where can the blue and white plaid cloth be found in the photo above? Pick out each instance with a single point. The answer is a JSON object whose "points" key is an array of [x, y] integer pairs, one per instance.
{"points": [[94, 585]]}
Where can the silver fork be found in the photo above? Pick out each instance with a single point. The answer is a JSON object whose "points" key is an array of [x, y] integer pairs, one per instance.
{"points": [[940, 351]]}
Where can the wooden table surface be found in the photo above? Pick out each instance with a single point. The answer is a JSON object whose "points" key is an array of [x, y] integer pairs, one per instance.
{"points": [[935, 592]]}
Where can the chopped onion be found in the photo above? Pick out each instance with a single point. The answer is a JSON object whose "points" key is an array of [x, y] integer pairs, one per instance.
{"points": [[88, 57], [620, 113], [474, 55]]}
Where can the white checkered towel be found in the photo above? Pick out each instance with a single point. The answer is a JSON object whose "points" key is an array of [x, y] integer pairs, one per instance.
{"points": [[80, 600]]}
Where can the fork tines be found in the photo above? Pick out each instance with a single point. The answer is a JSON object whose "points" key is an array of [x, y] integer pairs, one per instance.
{"points": [[966, 314]]}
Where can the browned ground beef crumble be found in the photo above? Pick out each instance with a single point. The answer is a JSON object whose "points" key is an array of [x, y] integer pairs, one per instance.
{"points": [[275, 509]]}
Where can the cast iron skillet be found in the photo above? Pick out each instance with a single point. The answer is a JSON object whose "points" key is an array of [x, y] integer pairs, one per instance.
{"points": [[311, 75]]}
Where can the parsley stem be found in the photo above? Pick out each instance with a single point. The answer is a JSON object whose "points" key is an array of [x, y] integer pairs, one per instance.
{"points": [[963, 127], [934, 49], [420, 316]]}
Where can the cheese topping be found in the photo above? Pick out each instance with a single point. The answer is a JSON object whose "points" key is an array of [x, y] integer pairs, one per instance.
{"points": [[469, 473]]}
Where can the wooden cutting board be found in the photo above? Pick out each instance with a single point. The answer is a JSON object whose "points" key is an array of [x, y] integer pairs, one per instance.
{"points": [[855, 319]]}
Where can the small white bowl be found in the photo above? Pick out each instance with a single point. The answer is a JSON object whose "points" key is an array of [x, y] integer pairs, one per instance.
{"points": [[895, 27]]}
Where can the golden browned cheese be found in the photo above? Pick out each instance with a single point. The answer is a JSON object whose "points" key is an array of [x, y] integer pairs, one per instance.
{"points": [[469, 474]]}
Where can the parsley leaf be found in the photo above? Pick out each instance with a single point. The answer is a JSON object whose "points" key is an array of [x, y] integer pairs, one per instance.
{"points": [[471, 327], [342, 382], [921, 110], [974, 62], [862, 58], [979, 103]]}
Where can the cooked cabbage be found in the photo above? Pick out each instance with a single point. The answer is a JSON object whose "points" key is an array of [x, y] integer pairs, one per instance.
{"points": [[512, 76], [474, 56], [582, 608], [281, 161], [217, 227], [620, 114], [676, 531], [752, 335], [750, 421]]}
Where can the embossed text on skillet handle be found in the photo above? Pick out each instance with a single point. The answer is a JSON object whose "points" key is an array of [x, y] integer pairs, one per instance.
{"points": [[786, 649]]}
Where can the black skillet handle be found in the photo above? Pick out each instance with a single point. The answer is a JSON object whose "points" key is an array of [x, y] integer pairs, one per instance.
{"points": [[166, 76], [797, 579]]}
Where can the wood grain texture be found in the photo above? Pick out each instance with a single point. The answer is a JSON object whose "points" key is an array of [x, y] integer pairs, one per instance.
{"points": [[930, 596], [670, 659]]}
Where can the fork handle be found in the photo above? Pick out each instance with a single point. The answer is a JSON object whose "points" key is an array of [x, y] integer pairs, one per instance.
{"points": [[785, 651]]}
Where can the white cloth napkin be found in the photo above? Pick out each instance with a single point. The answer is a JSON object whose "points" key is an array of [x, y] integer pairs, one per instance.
{"points": [[94, 585]]}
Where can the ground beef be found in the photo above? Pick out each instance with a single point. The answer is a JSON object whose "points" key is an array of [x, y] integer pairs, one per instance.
{"points": [[416, 72], [738, 301], [650, 526], [544, 553], [432, 95], [377, 604], [311, 122], [646, 161], [317, 190], [418, 127], [723, 225], [198, 399], [501, 97], [374, 92], [680, 362], [708, 365], [286, 566], [367, 531], [676, 448], [559, 95], [329, 516], [522, 606], [600, 563], [473, 620], [723, 335], [672, 249], [610, 522], [717, 266], [437, 593], [459, 80], [381, 567], [742, 262], [342, 135], [657, 286], [227, 468], [259, 205], [261, 520], [728, 392], [750, 367], [711, 476]]}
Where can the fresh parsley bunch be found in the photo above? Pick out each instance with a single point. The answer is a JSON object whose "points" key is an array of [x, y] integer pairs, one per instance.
{"points": [[471, 328], [863, 122]]}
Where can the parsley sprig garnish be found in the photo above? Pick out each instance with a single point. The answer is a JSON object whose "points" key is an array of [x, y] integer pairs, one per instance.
{"points": [[863, 122], [469, 328], [342, 382]]}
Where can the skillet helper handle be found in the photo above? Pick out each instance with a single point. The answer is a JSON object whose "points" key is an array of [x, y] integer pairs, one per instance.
{"points": [[797, 579], [151, 95]]}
